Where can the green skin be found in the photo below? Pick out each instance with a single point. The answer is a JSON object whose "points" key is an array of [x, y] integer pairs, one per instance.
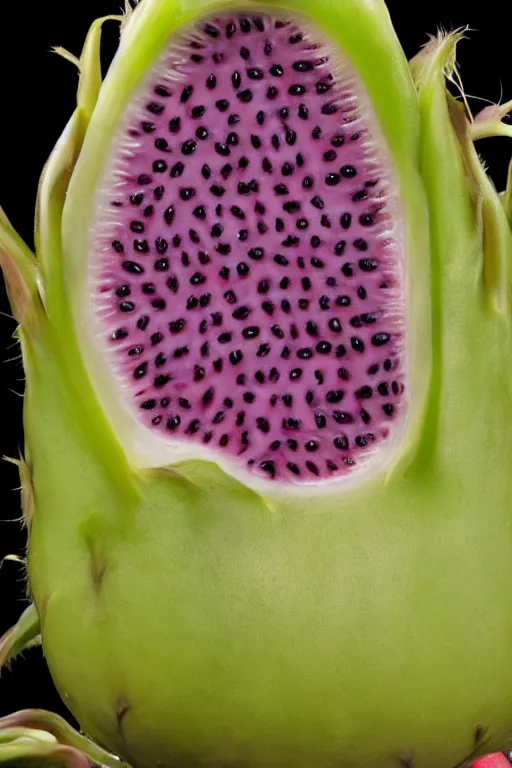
{"points": [[190, 621]]}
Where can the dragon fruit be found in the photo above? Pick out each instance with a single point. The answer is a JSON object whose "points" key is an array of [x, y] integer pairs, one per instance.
{"points": [[266, 339]]}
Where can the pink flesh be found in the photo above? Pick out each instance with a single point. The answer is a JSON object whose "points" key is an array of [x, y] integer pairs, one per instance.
{"points": [[495, 760], [347, 400]]}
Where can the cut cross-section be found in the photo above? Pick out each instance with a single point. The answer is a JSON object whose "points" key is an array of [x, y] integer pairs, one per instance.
{"points": [[247, 266]]}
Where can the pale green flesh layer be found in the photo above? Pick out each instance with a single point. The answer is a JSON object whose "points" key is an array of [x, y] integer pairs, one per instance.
{"points": [[225, 628]]}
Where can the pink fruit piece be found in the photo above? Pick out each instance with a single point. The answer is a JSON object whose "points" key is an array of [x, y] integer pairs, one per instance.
{"points": [[494, 760]]}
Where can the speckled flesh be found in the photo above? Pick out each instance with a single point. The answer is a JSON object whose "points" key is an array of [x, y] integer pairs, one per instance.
{"points": [[247, 242], [196, 611]]}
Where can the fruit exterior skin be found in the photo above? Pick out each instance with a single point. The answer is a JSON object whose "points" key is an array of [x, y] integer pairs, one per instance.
{"points": [[189, 620]]}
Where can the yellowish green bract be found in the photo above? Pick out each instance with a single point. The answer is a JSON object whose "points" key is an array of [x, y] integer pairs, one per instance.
{"points": [[190, 621]]}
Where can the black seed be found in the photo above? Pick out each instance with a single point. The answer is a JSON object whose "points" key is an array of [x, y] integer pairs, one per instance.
{"points": [[268, 307], [140, 371], [308, 182], [319, 377], [211, 30], [285, 353], [295, 374], [141, 246], [279, 225], [202, 133], [162, 145], [317, 263], [148, 127], [252, 332], [355, 322], [348, 171], [162, 265], [299, 160], [281, 260], [331, 281], [335, 396], [173, 284], [211, 82], [245, 96], [367, 219], [260, 208], [206, 172], [243, 234], [323, 347], [193, 427], [133, 267], [305, 353], [329, 109], [330, 156], [255, 73], [269, 467], [311, 446], [284, 284], [144, 179], [177, 170], [175, 125], [159, 166], [219, 416], [249, 397], [365, 417], [181, 352], [291, 206], [260, 377], [343, 374], [272, 93], [368, 317], [332, 179], [364, 392], [189, 147], [338, 140], [383, 389], [186, 93], [242, 269], [174, 422], [358, 196], [388, 409], [121, 333], [324, 302], [277, 331], [290, 241], [347, 269], [368, 265], [297, 89], [199, 373], [339, 248], [361, 441], [276, 141], [341, 350], [263, 350], [379, 339], [311, 328], [335, 325], [317, 202], [315, 241], [288, 400], [117, 246], [341, 443], [290, 137], [222, 149], [291, 466], [192, 302], [357, 344]]}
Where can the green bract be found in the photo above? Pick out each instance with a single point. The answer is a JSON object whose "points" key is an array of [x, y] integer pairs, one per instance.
{"points": [[191, 618]]}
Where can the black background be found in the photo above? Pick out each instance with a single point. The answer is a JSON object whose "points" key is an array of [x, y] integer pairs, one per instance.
{"points": [[37, 96]]}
